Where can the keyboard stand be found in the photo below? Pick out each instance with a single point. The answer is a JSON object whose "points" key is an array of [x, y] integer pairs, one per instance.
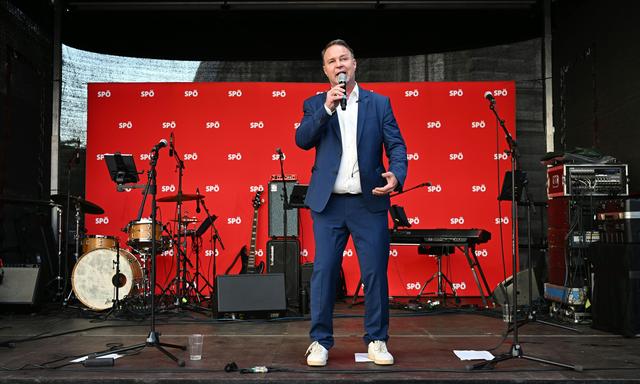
{"points": [[470, 253]]}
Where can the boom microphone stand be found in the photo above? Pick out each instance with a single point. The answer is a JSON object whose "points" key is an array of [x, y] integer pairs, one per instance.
{"points": [[516, 349], [153, 340]]}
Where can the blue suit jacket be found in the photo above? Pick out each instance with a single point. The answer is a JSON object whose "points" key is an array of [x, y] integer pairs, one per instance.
{"points": [[377, 128]]}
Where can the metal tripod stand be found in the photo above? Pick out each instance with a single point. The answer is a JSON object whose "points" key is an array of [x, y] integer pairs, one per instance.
{"points": [[153, 339], [515, 351]]}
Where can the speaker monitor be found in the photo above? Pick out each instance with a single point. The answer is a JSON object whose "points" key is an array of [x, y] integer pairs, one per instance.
{"points": [[504, 291], [283, 257], [251, 293], [276, 210], [19, 284]]}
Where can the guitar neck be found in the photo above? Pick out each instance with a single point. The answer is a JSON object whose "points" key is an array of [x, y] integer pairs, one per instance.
{"points": [[251, 260]]}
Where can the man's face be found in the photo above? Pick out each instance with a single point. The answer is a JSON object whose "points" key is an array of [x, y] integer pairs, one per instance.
{"points": [[338, 59]]}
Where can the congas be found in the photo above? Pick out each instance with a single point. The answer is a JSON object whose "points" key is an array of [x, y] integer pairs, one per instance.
{"points": [[140, 235], [91, 242], [94, 277]]}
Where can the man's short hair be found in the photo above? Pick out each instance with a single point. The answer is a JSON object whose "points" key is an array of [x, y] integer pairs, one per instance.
{"points": [[337, 42]]}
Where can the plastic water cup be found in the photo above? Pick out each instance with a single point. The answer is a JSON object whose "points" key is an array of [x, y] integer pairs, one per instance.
{"points": [[195, 346]]}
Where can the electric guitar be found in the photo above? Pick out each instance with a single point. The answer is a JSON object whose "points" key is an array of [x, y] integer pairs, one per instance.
{"points": [[249, 261]]}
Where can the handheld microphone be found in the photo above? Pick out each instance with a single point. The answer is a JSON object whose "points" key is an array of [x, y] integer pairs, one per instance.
{"points": [[198, 200], [342, 80], [489, 96], [161, 144], [171, 145]]}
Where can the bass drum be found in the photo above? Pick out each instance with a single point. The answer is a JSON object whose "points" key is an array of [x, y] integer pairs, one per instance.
{"points": [[94, 277]]}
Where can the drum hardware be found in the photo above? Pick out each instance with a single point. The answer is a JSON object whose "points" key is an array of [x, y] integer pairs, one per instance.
{"points": [[80, 205], [128, 168]]}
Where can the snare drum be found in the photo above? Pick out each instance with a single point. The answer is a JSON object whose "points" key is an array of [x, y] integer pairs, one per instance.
{"points": [[140, 235], [91, 242], [94, 277]]}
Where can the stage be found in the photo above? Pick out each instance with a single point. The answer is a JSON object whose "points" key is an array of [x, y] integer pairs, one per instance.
{"points": [[422, 343]]}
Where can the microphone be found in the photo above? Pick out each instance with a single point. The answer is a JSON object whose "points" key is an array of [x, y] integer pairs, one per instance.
{"points": [[425, 184], [161, 144], [489, 96], [198, 200], [342, 80], [279, 151], [171, 145]]}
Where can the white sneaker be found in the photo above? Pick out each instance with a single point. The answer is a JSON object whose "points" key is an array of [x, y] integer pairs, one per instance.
{"points": [[379, 354], [317, 355]]}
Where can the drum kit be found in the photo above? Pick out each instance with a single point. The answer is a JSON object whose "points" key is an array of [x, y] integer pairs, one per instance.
{"points": [[104, 273]]}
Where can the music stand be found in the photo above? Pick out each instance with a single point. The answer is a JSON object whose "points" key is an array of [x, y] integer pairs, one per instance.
{"points": [[298, 194], [205, 225], [521, 181], [122, 169], [399, 217]]}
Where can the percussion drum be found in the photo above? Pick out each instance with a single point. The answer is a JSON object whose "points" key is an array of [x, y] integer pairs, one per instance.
{"points": [[91, 242], [140, 235], [94, 277]]}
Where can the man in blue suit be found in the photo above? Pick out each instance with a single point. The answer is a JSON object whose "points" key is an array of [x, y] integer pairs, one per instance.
{"points": [[348, 195]]}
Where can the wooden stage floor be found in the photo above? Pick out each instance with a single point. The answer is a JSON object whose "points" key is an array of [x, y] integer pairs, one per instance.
{"points": [[421, 341]]}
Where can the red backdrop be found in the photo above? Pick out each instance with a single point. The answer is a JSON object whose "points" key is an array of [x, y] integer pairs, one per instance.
{"points": [[226, 133]]}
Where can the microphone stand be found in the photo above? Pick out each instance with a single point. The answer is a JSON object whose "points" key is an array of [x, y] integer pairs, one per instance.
{"points": [[285, 207], [153, 339], [515, 351]]}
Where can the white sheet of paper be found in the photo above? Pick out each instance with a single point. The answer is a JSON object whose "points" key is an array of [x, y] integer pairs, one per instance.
{"points": [[474, 355], [83, 358], [362, 358]]}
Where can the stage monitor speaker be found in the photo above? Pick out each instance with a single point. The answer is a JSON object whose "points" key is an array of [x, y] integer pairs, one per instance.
{"points": [[251, 293], [276, 210], [18, 285], [283, 256], [506, 288]]}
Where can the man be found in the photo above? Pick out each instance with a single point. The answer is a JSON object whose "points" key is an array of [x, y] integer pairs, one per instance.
{"points": [[348, 195]]}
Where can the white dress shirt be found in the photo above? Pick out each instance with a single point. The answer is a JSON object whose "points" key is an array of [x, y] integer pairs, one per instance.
{"points": [[348, 179]]}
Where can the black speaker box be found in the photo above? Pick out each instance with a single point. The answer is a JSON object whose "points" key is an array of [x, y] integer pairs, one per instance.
{"points": [[276, 210], [19, 284], [251, 294], [615, 302], [503, 292], [283, 256]]}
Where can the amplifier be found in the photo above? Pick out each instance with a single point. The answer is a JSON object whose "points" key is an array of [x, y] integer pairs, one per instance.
{"points": [[619, 220], [587, 180]]}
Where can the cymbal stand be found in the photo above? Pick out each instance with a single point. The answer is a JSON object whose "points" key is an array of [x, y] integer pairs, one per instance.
{"points": [[179, 281], [515, 351], [76, 254], [153, 339], [197, 240]]}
